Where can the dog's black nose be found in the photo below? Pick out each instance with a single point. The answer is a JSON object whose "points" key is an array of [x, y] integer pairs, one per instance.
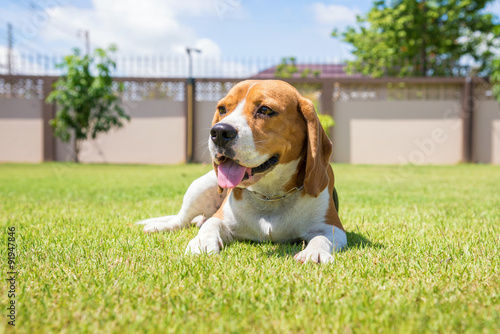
{"points": [[223, 134]]}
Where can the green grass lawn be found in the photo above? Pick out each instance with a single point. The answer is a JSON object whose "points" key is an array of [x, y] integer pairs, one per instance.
{"points": [[423, 256]]}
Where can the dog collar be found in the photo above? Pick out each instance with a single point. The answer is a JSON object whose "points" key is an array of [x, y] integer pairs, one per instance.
{"points": [[266, 198]]}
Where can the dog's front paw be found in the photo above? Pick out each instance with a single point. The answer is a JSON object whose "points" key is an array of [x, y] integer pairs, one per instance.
{"points": [[315, 255], [205, 244], [168, 223]]}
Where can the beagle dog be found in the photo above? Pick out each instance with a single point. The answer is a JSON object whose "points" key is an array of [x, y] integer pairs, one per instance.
{"points": [[271, 178]]}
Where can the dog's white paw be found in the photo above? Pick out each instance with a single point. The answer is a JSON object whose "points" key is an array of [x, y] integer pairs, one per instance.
{"points": [[168, 223], [205, 244], [316, 255]]}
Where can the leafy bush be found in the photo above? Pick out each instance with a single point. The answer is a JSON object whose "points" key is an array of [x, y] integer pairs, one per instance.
{"points": [[88, 103]]}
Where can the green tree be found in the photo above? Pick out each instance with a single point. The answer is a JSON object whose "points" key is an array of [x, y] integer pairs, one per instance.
{"points": [[495, 78], [87, 98], [288, 67], [423, 38]]}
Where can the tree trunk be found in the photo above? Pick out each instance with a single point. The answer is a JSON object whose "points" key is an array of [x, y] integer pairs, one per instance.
{"points": [[423, 51], [76, 149]]}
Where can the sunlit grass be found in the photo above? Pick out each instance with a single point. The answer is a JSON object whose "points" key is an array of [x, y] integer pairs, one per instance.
{"points": [[423, 256]]}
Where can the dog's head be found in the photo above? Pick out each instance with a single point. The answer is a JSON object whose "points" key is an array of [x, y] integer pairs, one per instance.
{"points": [[261, 124]]}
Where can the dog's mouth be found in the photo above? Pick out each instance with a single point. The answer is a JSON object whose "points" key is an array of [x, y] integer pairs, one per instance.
{"points": [[230, 173]]}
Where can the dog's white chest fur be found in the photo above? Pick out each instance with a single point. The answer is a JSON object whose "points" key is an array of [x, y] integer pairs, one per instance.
{"points": [[285, 220]]}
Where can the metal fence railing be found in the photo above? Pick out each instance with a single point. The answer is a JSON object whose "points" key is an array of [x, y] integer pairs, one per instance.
{"points": [[204, 66], [176, 66]]}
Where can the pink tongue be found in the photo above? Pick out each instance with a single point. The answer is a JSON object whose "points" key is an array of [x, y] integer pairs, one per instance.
{"points": [[230, 174]]}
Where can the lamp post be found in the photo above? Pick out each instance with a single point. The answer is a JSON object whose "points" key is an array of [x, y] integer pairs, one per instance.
{"points": [[190, 99], [190, 59]]}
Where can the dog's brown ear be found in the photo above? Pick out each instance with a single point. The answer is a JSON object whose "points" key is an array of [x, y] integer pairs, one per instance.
{"points": [[319, 150]]}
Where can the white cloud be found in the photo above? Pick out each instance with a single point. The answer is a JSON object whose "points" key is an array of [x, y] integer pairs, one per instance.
{"points": [[331, 16], [145, 27], [334, 15]]}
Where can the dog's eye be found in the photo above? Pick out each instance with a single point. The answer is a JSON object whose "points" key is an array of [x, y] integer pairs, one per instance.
{"points": [[266, 111], [222, 110]]}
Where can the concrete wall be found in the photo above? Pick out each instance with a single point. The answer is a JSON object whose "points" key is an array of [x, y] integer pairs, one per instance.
{"points": [[21, 130], [375, 124], [486, 129], [204, 114], [394, 132], [154, 135]]}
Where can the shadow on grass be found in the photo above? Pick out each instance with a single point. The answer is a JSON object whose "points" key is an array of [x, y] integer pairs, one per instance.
{"points": [[358, 241], [354, 241]]}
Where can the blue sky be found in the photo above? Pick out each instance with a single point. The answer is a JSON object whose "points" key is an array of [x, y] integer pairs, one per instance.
{"points": [[219, 27]]}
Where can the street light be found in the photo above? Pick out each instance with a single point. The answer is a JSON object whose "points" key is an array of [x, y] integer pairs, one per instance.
{"points": [[190, 99], [189, 50]]}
